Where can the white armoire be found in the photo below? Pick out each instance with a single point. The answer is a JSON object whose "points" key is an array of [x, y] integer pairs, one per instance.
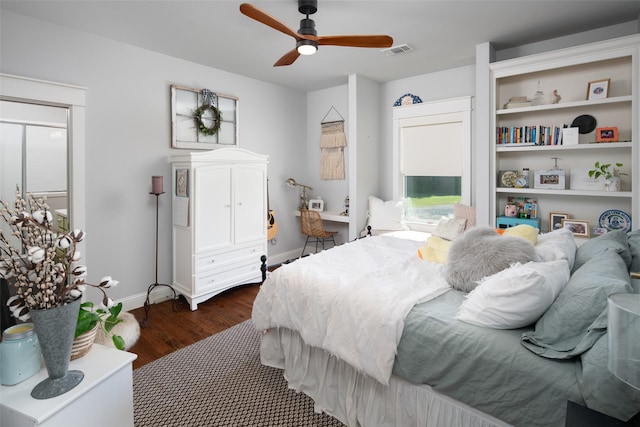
{"points": [[219, 201]]}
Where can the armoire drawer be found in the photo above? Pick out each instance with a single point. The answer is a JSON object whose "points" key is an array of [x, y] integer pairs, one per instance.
{"points": [[209, 260], [212, 280]]}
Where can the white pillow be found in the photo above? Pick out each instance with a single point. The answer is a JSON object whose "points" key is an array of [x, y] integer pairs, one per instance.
{"points": [[558, 244], [515, 297], [450, 228], [386, 215]]}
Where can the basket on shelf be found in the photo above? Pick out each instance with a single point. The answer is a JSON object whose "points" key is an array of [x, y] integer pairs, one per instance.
{"points": [[83, 343]]}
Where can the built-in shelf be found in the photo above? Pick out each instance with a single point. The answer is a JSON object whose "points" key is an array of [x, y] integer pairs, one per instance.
{"points": [[571, 72], [593, 146], [544, 191], [565, 105]]}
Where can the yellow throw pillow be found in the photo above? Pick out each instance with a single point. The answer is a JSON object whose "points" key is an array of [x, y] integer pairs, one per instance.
{"points": [[525, 231], [436, 250]]}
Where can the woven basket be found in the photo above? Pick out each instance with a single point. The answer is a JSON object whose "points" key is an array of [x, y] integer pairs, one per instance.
{"points": [[83, 343]]}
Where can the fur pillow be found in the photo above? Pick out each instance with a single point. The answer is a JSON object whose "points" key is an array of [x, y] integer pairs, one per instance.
{"points": [[481, 252]]}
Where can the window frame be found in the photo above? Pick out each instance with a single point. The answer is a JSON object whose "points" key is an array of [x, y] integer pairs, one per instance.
{"points": [[431, 113]]}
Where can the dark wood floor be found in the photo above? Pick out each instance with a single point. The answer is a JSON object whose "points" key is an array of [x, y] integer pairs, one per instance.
{"points": [[168, 330]]}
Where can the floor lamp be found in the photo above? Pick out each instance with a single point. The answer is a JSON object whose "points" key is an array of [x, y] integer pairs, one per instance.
{"points": [[156, 190]]}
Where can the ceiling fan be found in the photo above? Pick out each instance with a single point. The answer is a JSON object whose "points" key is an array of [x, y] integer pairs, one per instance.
{"points": [[307, 39]]}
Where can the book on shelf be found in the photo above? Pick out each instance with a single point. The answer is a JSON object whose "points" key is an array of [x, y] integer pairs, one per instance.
{"points": [[529, 135]]}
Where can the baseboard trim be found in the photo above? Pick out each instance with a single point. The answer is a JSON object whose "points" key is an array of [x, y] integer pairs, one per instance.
{"points": [[158, 294]]}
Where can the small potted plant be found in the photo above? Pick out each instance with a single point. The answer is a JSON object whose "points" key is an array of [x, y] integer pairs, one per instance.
{"points": [[610, 173], [90, 318]]}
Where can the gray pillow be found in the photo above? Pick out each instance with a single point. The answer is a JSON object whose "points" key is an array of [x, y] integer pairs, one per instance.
{"points": [[481, 252], [616, 241], [578, 317], [634, 247]]}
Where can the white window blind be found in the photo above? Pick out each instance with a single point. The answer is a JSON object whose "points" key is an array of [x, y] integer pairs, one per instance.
{"points": [[432, 147]]}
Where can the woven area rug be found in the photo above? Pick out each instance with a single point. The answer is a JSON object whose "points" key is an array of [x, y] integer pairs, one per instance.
{"points": [[220, 381]]}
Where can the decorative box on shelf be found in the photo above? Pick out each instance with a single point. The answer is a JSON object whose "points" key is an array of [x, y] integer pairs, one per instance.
{"points": [[579, 179], [510, 221]]}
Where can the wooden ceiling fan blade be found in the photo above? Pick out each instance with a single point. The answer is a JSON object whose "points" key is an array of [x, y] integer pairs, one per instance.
{"points": [[380, 41], [254, 13], [288, 58]]}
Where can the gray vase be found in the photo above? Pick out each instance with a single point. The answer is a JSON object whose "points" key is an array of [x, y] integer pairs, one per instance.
{"points": [[56, 328]]}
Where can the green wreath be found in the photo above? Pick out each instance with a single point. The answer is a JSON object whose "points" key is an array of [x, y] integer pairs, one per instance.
{"points": [[217, 118]]}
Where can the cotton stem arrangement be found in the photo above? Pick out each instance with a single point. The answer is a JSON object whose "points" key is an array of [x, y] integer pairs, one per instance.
{"points": [[41, 263]]}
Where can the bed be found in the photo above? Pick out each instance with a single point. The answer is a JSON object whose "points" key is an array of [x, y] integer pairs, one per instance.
{"points": [[373, 334]]}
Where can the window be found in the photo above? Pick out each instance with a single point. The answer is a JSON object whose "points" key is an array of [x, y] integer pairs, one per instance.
{"points": [[188, 112], [432, 151]]}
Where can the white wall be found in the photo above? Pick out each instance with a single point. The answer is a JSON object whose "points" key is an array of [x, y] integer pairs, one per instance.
{"points": [[128, 138], [333, 192], [365, 179]]}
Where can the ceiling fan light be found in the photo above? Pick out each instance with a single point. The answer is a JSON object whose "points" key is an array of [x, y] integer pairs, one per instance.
{"points": [[307, 47]]}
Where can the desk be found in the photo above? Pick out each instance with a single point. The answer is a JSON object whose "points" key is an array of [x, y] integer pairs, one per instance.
{"points": [[103, 398], [330, 216]]}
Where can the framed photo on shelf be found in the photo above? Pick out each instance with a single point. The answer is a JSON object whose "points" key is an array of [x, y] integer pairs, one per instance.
{"points": [[607, 134], [549, 178], [316, 205], [579, 228], [598, 89], [555, 220]]}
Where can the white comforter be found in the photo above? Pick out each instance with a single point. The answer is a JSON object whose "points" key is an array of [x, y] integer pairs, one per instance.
{"points": [[351, 300]]}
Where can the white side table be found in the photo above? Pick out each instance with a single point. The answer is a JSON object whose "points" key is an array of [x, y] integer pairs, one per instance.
{"points": [[103, 398]]}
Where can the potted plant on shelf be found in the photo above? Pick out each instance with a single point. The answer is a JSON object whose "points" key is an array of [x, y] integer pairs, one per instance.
{"points": [[41, 263], [610, 173]]}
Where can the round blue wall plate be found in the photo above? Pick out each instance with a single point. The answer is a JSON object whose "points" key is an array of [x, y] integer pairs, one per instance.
{"points": [[614, 219]]}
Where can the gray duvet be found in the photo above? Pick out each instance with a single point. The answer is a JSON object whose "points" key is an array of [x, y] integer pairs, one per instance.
{"points": [[485, 368]]}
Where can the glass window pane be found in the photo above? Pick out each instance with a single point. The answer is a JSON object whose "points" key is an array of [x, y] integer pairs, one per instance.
{"points": [[429, 198], [227, 134], [227, 107], [46, 155]]}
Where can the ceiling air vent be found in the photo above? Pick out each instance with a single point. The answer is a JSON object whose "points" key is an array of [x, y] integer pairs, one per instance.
{"points": [[397, 50]]}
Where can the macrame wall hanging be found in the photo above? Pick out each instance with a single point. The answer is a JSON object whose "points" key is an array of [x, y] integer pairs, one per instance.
{"points": [[332, 143]]}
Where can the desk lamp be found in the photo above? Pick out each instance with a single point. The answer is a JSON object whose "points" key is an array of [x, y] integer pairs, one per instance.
{"points": [[303, 195]]}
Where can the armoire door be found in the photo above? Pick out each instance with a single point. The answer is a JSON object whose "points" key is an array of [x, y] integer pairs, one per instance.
{"points": [[213, 208], [250, 210]]}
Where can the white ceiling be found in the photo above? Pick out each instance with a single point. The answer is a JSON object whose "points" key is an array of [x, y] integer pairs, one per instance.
{"points": [[214, 33]]}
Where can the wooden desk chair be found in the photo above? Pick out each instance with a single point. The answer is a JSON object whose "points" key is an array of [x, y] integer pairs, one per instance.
{"points": [[312, 226]]}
